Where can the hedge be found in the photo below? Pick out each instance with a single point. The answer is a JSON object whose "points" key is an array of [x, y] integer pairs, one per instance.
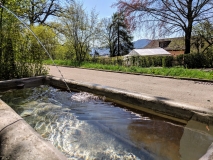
{"points": [[192, 60]]}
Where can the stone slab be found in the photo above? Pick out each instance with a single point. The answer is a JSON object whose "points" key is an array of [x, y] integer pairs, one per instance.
{"points": [[7, 116], [18, 141]]}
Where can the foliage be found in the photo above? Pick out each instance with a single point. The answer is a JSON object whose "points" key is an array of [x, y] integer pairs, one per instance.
{"points": [[196, 60], [16, 57], [48, 38], [202, 36], [121, 38], [117, 35]]}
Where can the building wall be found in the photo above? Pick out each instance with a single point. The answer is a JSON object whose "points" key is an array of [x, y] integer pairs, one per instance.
{"points": [[176, 53]]}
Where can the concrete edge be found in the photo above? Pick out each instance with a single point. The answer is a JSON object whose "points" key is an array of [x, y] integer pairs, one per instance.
{"points": [[19, 140], [22, 83], [163, 107]]}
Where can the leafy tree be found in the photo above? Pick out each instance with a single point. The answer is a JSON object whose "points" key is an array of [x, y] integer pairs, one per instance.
{"points": [[9, 32], [16, 58], [48, 38], [80, 29], [202, 36], [167, 16], [121, 37], [8, 65], [7, 21]]}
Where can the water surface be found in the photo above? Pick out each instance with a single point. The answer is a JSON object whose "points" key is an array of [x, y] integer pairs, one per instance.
{"points": [[84, 126]]}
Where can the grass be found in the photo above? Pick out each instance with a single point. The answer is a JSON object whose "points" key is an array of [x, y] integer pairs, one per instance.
{"points": [[178, 72]]}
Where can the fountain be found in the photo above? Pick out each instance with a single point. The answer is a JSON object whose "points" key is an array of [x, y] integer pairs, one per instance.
{"points": [[1, 6], [85, 122]]}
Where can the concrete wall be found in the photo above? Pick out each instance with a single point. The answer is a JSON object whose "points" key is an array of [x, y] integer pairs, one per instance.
{"points": [[21, 83], [20, 142]]}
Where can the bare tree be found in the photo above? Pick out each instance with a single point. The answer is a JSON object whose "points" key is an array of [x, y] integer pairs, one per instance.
{"points": [[167, 16], [39, 10]]}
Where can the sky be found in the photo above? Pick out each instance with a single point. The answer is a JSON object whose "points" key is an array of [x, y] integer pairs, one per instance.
{"points": [[102, 7], [105, 10]]}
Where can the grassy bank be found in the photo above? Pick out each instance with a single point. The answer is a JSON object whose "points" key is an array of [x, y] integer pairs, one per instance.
{"points": [[178, 72]]}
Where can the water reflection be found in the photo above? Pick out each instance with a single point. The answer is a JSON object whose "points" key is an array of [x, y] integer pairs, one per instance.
{"points": [[195, 140], [158, 137], [83, 126]]}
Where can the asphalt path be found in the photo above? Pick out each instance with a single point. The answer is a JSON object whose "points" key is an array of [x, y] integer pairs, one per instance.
{"points": [[198, 94]]}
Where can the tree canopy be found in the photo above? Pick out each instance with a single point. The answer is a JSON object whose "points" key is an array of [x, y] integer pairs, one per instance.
{"points": [[121, 37]]}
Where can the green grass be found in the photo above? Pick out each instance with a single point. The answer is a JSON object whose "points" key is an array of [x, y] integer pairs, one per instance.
{"points": [[178, 72]]}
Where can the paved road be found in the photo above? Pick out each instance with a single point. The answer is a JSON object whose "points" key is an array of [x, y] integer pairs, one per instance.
{"points": [[198, 94]]}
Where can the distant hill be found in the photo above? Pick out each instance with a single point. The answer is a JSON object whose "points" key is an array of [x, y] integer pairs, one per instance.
{"points": [[141, 43]]}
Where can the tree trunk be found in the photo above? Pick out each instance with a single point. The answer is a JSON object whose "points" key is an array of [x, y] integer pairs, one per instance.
{"points": [[188, 30], [32, 13], [188, 33], [118, 41], [187, 44]]}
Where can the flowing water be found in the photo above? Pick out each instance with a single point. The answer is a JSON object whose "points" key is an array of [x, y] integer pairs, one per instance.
{"points": [[86, 127]]}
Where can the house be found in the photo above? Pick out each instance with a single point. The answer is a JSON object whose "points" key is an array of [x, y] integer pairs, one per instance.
{"points": [[175, 46], [149, 52]]}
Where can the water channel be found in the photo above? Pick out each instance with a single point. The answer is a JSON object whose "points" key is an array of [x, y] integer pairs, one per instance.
{"points": [[85, 126]]}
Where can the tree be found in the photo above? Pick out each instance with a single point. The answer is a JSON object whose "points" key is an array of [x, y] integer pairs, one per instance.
{"points": [[48, 38], [7, 20], [167, 16], [107, 34], [9, 32], [202, 37], [38, 11], [121, 37], [80, 29], [16, 60]]}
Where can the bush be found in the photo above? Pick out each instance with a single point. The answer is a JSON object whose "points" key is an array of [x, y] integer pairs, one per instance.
{"points": [[196, 60]]}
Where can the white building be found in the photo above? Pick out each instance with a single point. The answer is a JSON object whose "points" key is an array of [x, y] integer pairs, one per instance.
{"points": [[149, 52]]}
